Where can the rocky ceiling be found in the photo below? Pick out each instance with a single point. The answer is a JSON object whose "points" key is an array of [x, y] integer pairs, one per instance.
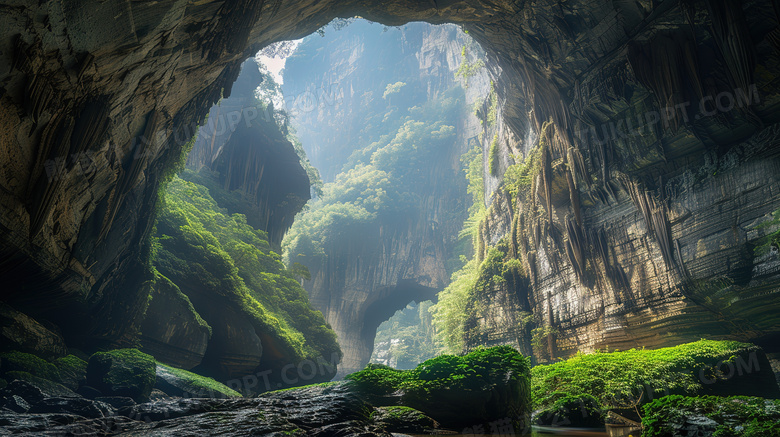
{"points": [[96, 97]]}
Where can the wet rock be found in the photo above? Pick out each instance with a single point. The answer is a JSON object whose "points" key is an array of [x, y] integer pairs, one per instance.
{"points": [[177, 382], [116, 401], [20, 332], [89, 392], [172, 331], [26, 385], [122, 372], [77, 406], [16, 403], [403, 419]]}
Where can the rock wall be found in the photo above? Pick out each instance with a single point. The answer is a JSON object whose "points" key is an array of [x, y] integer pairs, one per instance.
{"points": [[84, 81], [653, 236]]}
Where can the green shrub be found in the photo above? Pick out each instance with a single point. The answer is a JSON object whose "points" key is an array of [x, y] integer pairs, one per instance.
{"points": [[493, 158], [24, 362], [620, 379], [457, 391], [741, 416]]}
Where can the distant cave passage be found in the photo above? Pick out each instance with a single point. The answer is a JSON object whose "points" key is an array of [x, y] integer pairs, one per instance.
{"points": [[405, 292]]}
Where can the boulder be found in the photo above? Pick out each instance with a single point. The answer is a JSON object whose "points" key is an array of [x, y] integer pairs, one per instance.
{"points": [[79, 406], [31, 387], [581, 411], [172, 331], [73, 371], [178, 382], [20, 332], [403, 419], [29, 363], [122, 372]]}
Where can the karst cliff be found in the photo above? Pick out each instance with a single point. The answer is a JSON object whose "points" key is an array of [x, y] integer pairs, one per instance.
{"points": [[634, 174]]}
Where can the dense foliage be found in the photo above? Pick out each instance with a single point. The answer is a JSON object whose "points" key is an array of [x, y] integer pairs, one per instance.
{"points": [[450, 311], [199, 242], [456, 390], [622, 379], [380, 181], [741, 416]]}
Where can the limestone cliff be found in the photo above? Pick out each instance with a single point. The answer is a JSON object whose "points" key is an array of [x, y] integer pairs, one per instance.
{"points": [[84, 82]]}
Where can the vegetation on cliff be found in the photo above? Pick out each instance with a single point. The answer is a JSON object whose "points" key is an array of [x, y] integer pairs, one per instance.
{"points": [[380, 182], [198, 243]]}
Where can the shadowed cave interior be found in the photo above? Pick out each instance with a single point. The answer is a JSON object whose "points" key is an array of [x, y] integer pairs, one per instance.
{"points": [[554, 218]]}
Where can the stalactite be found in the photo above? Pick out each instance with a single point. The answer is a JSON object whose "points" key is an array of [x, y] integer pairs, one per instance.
{"points": [[574, 197], [575, 248], [730, 31], [547, 182], [134, 164], [55, 144]]}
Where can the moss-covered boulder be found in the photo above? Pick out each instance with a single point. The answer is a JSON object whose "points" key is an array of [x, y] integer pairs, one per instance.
{"points": [[707, 416], [402, 419], [179, 382], [25, 383], [583, 411], [73, 371], [620, 381], [29, 363], [122, 372], [486, 385]]}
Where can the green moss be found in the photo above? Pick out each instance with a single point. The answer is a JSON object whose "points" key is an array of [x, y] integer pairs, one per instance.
{"points": [[24, 362], [162, 281], [3, 383], [773, 238], [493, 158], [620, 379], [48, 387], [73, 370], [456, 390], [321, 384], [199, 243], [122, 372], [198, 386], [578, 411], [735, 416]]}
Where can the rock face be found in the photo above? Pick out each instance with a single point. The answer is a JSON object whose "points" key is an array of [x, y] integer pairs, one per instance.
{"points": [[657, 235], [172, 331], [85, 82]]}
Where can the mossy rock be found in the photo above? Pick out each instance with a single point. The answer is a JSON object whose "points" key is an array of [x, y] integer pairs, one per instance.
{"points": [[577, 411], [403, 419], [622, 380], [73, 371], [122, 372], [29, 363], [47, 387], [706, 416], [485, 385], [179, 382]]}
